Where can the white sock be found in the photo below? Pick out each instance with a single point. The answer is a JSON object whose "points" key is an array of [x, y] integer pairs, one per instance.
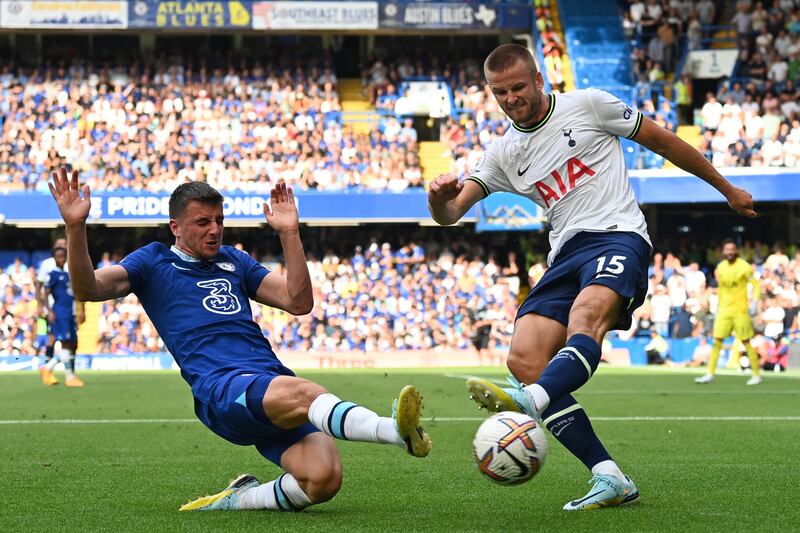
{"points": [[51, 364], [609, 468], [282, 494], [349, 421], [539, 397], [68, 358]]}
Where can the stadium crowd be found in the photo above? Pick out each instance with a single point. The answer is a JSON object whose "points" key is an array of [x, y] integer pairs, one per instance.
{"points": [[753, 119], [151, 126], [425, 296], [378, 299]]}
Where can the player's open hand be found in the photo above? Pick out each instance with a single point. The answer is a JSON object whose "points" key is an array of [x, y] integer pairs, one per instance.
{"points": [[281, 211], [741, 201], [74, 208], [443, 189]]}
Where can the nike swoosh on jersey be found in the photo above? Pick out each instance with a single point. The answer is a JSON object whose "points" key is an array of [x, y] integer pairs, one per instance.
{"points": [[180, 267], [521, 173], [557, 431], [606, 276]]}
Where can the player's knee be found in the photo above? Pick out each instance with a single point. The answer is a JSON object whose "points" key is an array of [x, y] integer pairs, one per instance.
{"points": [[309, 391], [287, 401], [588, 320], [525, 367], [322, 482]]}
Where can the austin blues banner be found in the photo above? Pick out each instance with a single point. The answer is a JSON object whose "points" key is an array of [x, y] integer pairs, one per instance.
{"points": [[464, 15], [437, 15], [77, 15], [189, 14]]}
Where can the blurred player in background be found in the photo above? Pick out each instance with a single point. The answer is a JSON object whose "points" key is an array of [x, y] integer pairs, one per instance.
{"points": [[563, 153], [63, 315], [733, 275], [481, 330], [197, 295], [42, 277]]}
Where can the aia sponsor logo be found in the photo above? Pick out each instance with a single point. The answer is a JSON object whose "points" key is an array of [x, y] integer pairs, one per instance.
{"points": [[554, 187]]}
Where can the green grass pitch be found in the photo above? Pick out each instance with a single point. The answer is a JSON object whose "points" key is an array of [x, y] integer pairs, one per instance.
{"points": [[733, 467]]}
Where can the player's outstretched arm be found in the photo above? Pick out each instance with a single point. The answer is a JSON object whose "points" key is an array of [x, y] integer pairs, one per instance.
{"points": [[449, 199], [88, 285], [293, 292], [673, 148]]}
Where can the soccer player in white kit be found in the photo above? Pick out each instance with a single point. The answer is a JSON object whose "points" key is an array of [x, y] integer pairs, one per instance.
{"points": [[563, 153]]}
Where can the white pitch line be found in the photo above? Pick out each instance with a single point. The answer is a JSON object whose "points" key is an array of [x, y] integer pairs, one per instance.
{"points": [[45, 421], [101, 421], [652, 419], [705, 391]]}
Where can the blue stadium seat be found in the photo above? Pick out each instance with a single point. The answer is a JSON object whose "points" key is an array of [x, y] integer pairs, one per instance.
{"points": [[37, 256], [593, 31]]}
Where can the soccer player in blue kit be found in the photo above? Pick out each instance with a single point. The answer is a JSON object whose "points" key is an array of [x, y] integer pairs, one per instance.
{"points": [[563, 153], [197, 294], [63, 316]]}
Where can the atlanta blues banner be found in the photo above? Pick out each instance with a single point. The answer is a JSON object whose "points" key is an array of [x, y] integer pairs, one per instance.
{"points": [[189, 14]]}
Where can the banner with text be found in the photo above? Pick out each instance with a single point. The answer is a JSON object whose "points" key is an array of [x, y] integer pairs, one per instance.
{"points": [[437, 15], [76, 15], [454, 15], [240, 208], [315, 15], [189, 14], [507, 211]]}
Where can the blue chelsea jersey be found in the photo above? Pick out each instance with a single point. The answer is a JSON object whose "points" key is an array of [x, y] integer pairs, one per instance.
{"points": [[63, 298], [202, 311]]}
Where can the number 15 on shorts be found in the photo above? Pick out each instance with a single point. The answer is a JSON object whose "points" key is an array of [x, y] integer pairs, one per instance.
{"points": [[610, 268]]}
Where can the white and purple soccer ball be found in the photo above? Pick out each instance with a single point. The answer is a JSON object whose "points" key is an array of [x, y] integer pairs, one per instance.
{"points": [[510, 448]]}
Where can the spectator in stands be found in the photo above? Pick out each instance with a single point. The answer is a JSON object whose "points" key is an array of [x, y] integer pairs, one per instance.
{"points": [[701, 353], [706, 11], [657, 350], [711, 113], [776, 354]]}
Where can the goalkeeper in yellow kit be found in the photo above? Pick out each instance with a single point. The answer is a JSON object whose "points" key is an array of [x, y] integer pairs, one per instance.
{"points": [[733, 276]]}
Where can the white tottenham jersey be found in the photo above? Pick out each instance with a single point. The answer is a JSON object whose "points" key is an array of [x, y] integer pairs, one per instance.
{"points": [[571, 164]]}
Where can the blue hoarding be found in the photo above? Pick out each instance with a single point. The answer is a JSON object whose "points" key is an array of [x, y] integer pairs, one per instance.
{"points": [[144, 208], [505, 211], [501, 211]]}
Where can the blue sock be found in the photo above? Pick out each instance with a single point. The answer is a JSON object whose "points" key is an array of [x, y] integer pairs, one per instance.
{"points": [[572, 366], [567, 421]]}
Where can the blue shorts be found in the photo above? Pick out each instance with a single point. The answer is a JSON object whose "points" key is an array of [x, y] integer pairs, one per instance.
{"points": [[618, 260], [64, 328], [237, 414]]}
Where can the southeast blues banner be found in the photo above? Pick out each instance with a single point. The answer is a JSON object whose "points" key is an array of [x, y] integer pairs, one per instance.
{"points": [[315, 15], [190, 14]]}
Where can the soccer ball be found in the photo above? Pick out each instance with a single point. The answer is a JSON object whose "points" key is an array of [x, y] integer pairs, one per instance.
{"points": [[510, 448]]}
